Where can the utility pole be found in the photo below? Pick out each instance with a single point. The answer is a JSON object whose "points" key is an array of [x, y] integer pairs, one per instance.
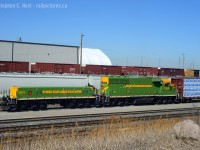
{"points": [[126, 61], [12, 51], [159, 62], [183, 60], [193, 64], [81, 51]]}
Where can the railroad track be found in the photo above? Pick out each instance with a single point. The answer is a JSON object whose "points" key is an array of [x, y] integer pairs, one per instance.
{"points": [[15, 129], [89, 119]]}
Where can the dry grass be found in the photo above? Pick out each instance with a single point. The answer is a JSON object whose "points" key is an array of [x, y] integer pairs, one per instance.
{"points": [[119, 134]]}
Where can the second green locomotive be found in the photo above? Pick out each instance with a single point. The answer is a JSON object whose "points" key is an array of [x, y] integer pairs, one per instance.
{"points": [[125, 90]]}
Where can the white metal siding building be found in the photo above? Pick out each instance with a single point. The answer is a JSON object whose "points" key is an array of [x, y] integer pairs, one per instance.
{"points": [[38, 52]]}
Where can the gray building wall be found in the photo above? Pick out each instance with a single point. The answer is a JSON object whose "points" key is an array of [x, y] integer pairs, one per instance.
{"points": [[38, 52], [6, 51]]}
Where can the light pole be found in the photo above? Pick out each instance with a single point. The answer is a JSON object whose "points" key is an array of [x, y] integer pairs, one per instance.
{"points": [[81, 51]]}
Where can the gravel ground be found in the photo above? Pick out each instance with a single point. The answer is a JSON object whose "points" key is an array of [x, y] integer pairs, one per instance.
{"points": [[118, 141], [68, 112], [119, 135]]}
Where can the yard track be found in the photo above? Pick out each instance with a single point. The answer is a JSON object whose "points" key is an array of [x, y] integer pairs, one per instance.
{"points": [[89, 120]]}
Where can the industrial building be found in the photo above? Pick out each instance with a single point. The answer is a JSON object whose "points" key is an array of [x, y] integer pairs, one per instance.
{"points": [[50, 53], [38, 52]]}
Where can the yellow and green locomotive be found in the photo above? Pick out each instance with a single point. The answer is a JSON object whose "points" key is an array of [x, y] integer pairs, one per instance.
{"points": [[23, 98], [113, 91], [125, 90]]}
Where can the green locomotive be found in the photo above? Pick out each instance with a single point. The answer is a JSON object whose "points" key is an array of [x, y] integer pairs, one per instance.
{"points": [[114, 90], [125, 90], [23, 98]]}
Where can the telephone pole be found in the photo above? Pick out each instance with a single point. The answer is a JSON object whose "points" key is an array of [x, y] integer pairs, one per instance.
{"points": [[183, 60], [81, 51]]}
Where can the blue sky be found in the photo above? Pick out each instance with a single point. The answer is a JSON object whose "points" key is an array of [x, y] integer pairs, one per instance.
{"points": [[131, 32]]}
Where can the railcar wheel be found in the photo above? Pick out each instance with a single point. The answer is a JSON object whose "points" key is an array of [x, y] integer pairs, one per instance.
{"points": [[189, 100]]}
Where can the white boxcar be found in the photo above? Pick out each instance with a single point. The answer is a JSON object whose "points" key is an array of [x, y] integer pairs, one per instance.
{"points": [[191, 88]]}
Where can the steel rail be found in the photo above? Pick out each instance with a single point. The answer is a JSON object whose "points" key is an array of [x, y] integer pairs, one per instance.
{"points": [[82, 123], [101, 116]]}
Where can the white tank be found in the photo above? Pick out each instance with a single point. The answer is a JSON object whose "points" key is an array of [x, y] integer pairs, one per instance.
{"points": [[39, 80]]}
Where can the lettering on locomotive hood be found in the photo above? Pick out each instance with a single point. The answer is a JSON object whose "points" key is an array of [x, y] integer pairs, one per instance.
{"points": [[137, 85], [61, 91]]}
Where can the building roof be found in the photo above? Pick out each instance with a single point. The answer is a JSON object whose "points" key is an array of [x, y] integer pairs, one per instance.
{"points": [[94, 57], [20, 42]]}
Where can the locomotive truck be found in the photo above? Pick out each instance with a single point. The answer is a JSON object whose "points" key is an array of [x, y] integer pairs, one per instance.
{"points": [[113, 91]]}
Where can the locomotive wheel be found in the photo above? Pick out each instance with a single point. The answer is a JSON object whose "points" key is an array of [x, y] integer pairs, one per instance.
{"points": [[176, 101], [35, 106], [80, 105], [72, 105], [88, 105], [126, 103], [134, 102], [159, 101], [43, 106], [121, 104], [64, 105], [165, 101], [21, 107], [113, 104]]}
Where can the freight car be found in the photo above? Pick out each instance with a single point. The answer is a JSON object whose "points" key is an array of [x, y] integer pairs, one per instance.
{"points": [[14, 66], [39, 67], [187, 88], [114, 90]]}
